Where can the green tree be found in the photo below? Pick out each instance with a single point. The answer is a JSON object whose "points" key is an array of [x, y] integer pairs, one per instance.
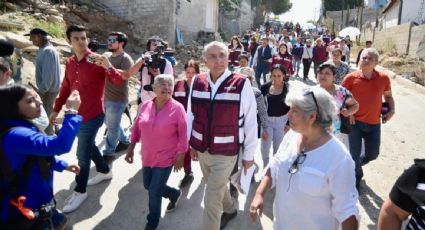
{"points": [[273, 6]]}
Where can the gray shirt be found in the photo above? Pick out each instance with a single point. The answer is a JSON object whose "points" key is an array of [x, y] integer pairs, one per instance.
{"points": [[118, 92], [47, 69]]}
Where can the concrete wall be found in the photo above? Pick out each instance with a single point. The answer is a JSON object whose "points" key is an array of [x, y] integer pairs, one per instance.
{"points": [[196, 16], [410, 11], [148, 17], [397, 36], [418, 33], [405, 38], [247, 16], [390, 18]]}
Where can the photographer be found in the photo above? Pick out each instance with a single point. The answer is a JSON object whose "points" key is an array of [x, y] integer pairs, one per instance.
{"points": [[150, 65]]}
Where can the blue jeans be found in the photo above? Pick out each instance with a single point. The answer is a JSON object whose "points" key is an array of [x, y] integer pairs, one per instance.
{"points": [[261, 70], [371, 134], [155, 181], [113, 114], [275, 130], [87, 151], [297, 64]]}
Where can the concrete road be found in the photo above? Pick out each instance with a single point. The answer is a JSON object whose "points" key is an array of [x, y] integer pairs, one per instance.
{"points": [[122, 203]]}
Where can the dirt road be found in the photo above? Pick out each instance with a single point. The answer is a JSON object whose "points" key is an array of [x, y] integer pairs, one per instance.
{"points": [[122, 202]]}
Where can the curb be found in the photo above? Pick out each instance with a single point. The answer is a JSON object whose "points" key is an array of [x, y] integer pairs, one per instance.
{"points": [[403, 81]]}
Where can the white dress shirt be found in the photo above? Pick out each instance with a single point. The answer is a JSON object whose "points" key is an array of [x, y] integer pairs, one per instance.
{"points": [[248, 109], [321, 194]]}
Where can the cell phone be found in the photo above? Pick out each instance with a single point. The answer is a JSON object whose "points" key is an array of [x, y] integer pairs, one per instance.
{"points": [[92, 59]]}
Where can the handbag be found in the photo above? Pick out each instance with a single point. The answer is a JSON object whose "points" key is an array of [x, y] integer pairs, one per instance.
{"points": [[345, 121]]}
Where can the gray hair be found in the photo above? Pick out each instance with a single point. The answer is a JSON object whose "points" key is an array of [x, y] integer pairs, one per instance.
{"points": [[302, 96], [215, 44], [371, 51], [163, 78]]}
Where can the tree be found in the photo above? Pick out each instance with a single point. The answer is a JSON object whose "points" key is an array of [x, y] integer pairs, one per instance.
{"points": [[264, 7], [273, 6]]}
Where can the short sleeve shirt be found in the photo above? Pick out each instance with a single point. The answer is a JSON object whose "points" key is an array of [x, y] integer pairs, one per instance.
{"points": [[368, 93], [322, 191], [408, 193]]}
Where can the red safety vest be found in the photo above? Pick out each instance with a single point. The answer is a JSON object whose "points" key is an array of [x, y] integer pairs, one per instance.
{"points": [[181, 93], [216, 119]]}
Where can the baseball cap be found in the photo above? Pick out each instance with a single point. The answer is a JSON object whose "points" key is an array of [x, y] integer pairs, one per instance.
{"points": [[37, 31]]}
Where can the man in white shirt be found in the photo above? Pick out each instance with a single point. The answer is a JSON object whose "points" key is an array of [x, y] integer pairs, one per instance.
{"points": [[221, 114]]}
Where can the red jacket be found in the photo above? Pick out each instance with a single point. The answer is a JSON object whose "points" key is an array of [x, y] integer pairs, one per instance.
{"points": [[216, 122]]}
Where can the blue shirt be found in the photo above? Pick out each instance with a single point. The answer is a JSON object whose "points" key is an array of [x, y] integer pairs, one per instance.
{"points": [[47, 69], [24, 140]]}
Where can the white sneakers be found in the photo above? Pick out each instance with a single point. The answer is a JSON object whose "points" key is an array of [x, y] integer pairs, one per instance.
{"points": [[74, 201], [100, 177]]}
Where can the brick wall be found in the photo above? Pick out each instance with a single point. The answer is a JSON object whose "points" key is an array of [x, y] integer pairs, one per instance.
{"points": [[418, 33]]}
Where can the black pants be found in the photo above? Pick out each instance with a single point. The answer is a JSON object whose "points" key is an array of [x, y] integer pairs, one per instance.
{"points": [[306, 67]]}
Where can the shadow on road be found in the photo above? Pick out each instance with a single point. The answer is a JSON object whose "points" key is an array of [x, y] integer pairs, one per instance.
{"points": [[90, 207], [371, 203]]}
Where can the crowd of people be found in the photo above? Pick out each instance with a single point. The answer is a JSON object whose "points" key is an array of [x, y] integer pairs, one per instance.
{"points": [[249, 91]]}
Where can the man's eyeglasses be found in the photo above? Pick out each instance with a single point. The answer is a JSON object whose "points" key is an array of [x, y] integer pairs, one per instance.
{"points": [[112, 40], [315, 101], [298, 161]]}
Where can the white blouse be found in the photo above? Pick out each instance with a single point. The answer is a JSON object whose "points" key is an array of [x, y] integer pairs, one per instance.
{"points": [[321, 194]]}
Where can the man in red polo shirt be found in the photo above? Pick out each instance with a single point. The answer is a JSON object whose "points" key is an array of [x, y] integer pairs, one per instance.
{"points": [[86, 72], [368, 87]]}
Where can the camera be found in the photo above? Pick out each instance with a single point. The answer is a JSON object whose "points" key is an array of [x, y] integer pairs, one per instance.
{"points": [[94, 46]]}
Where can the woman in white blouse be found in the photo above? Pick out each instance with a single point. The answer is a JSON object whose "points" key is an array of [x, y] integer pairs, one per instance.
{"points": [[312, 172]]}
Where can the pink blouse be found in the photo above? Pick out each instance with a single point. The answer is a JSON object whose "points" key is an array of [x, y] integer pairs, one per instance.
{"points": [[163, 135]]}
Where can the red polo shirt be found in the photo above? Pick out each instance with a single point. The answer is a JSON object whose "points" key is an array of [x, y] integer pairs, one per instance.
{"points": [[89, 80], [368, 93]]}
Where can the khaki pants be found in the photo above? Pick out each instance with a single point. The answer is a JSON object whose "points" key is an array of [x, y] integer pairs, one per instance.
{"points": [[48, 100], [216, 170]]}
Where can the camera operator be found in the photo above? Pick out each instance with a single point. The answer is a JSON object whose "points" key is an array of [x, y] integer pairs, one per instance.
{"points": [[150, 64], [154, 64]]}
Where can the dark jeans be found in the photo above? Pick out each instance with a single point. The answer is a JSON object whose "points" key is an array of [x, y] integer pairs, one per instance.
{"points": [[187, 165], [371, 134], [87, 151], [261, 70], [155, 181], [306, 67], [316, 65]]}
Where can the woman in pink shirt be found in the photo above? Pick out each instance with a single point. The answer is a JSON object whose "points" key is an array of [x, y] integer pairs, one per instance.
{"points": [[162, 129]]}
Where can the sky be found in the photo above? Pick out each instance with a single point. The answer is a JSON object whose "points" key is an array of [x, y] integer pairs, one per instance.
{"points": [[302, 11]]}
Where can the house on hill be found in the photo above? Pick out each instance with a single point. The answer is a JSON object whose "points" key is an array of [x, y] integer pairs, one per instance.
{"points": [[398, 12]]}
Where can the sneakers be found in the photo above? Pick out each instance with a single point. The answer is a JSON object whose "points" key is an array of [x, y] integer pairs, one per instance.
{"points": [[226, 217], [173, 204], [121, 147], [187, 179], [74, 201], [100, 177]]}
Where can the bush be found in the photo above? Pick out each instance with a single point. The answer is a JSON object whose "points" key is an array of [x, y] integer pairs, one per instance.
{"points": [[54, 29]]}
